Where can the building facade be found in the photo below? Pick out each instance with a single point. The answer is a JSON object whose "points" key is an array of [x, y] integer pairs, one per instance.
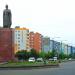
{"points": [[21, 39], [72, 49], [69, 50], [54, 45], [51, 45], [46, 44], [63, 48], [31, 39], [66, 49], [35, 41]]}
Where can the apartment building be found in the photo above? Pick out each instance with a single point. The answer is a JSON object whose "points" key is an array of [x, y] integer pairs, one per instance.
{"points": [[46, 44], [35, 41], [21, 40]]}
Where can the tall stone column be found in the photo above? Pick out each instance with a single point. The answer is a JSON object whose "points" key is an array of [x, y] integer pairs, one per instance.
{"points": [[6, 44]]}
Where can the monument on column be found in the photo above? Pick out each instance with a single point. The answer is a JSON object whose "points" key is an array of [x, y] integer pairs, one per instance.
{"points": [[6, 37], [7, 17]]}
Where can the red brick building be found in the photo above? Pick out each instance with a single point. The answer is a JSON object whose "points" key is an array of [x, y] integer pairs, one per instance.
{"points": [[6, 44], [36, 41]]}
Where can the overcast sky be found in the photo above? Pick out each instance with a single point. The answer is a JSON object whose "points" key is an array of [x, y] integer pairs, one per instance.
{"points": [[53, 18]]}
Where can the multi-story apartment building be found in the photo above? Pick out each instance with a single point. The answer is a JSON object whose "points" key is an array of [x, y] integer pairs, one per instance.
{"points": [[46, 44], [72, 49], [36, 41], [21, 39], [54, 45], [69, 50], [51, 45], [31, 40], [65, 48], [62, 47]]}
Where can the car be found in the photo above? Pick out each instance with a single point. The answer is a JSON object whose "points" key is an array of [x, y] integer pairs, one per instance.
{"points": [[51, 59], [39, 59], [70, 59], [55, 58], [31, 59]]}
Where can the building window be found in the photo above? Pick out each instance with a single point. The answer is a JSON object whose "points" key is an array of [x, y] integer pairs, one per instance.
{"points": [[18, 47], [18, 37], [27, 34], [18, 40], [18, 34]]}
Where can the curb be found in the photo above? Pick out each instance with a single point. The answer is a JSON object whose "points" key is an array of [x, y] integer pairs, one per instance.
{"points": [[29, 67]]}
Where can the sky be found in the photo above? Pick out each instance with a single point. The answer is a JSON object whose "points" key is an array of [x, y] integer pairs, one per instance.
{"points": [[53, 18]]}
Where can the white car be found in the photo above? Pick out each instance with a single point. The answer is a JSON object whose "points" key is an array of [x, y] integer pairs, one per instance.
{"points": [[51, 59], [55, 58], [40, 59], [31, 59], [69, 59]]}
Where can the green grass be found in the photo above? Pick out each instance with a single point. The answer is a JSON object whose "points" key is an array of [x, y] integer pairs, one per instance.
{"points": [[53, 62], [20, 64]]}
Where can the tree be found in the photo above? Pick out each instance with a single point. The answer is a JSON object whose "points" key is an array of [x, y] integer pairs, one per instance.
{"points": [[42, 54], [33, 53], [62, 56], [48, 55], [22, 55], [73, 55], [54, 53]]}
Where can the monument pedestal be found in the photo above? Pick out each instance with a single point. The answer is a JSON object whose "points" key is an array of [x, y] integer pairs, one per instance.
{"points": [[6, 44]]}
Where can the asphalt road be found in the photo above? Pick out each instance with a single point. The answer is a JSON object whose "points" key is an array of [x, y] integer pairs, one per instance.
{"points": [[67, 68]]}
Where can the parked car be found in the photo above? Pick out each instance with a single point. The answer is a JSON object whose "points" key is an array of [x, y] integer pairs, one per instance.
{"points": [[31, 59], [70, 59], [39, 59], [55, 58], [51, 59]]}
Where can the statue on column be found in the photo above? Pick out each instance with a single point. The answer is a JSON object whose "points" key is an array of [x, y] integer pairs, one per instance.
{"points": [[7, 17]]}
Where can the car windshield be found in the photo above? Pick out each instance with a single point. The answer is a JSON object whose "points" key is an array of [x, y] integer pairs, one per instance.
{"points": [[32, 58]]}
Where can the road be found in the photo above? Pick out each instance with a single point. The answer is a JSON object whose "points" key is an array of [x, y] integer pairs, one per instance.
{"points": [[67, 68]]}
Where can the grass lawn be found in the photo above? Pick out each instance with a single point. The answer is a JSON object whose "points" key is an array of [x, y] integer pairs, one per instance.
{"points": [[23, 64]]}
